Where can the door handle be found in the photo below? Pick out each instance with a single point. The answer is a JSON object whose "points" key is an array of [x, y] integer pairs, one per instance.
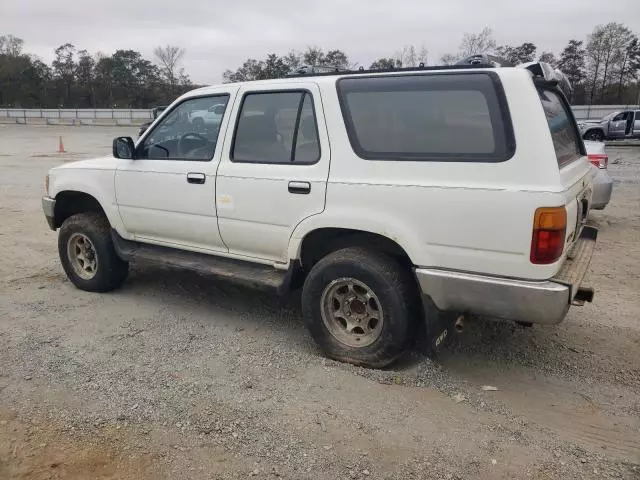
{"points": [[301, 188], [197, 178]]}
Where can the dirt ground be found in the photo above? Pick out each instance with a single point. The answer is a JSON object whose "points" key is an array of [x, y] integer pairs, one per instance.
{"points": [[179, 376]]}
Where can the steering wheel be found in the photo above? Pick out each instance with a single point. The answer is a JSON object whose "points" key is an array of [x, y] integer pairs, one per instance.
{"points": [[195, 135]]}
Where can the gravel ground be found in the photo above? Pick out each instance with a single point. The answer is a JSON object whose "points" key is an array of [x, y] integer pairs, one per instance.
{"points": [[179, 376]]}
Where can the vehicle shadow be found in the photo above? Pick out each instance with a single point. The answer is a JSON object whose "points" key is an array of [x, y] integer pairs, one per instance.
{"points": [[217, 299], [555, 350]]}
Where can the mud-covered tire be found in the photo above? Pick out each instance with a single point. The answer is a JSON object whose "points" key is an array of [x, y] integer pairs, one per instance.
{"points": [[110, 271], [394, 288]]}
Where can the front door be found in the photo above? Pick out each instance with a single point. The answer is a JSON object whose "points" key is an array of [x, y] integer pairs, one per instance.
{"points": [[617, 125], [166, 194], [274, 168]]}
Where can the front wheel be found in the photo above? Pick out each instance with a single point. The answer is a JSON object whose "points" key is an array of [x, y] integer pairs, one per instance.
{"points": [[361, 307], [87, 254], [594, 135]]}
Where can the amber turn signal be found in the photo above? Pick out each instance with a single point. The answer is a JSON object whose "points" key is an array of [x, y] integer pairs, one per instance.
{"points": [[549, 231]]}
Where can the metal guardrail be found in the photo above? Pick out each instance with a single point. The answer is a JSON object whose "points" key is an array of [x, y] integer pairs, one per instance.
{"points": [[64, 115]]}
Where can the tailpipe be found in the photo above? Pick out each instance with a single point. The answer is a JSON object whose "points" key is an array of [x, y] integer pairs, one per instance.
{"points": [[459, 324]]}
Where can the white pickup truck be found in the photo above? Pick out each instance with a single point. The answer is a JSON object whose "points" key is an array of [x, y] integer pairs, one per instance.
{"points": [[394, 198]]}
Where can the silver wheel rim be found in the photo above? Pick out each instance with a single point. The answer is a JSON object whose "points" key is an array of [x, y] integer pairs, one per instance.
{"points": [[352, 312], [82, 256]]}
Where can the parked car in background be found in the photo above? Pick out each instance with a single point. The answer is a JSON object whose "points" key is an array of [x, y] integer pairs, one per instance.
{"points": [[616, 125], [602, 183], [211, 116], [155, 111]]}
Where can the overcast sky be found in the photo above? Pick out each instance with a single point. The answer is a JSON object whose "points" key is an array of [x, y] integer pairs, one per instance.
{"points": [[218, 35]]}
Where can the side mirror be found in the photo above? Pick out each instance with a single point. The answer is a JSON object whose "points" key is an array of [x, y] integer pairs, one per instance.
{"points": [[123, 147]]}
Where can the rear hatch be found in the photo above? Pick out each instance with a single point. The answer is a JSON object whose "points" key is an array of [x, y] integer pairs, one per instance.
{"points": [[576, 176]]}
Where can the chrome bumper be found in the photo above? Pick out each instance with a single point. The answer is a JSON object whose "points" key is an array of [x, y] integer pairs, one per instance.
{"points": [[49, 207], [544, 302]]}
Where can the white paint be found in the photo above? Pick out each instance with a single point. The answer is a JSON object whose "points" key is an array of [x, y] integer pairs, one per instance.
{"points": [[474, 217]]}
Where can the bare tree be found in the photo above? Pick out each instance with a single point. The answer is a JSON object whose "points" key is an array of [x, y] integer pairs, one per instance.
{"points": [[449, 59], [627, 64], [10, 45], [409, 56], [169, 58], [474, 43], [605, 50]]}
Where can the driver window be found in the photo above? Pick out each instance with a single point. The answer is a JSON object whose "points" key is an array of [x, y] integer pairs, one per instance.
{"points": [[187, 132], [620, 116]]}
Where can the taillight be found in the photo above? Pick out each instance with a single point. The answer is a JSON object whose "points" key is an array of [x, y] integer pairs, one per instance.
{"points": [[549, 230], [599, 160]]}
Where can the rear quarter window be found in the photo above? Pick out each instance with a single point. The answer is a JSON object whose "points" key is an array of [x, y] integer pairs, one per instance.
{"points": [[443, 117], [564, 133]]}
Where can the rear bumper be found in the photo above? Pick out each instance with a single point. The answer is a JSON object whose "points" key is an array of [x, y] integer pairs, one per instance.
{"points": [[49, 207], [602, 188], [545, 302]]}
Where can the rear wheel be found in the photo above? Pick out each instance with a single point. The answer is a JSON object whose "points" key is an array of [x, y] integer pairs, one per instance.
{"points": [[361, 307], [87, 254], [595, 135]]}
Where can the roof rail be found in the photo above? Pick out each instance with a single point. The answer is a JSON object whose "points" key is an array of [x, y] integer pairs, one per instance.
{"points": [[336, 71]]}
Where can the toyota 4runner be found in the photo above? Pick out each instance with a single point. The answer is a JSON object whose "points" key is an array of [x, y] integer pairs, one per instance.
{"points": [[395, 199]]}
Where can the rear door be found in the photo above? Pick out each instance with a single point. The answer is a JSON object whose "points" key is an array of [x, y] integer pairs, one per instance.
{"points": [[274, 168], [575, 172]]}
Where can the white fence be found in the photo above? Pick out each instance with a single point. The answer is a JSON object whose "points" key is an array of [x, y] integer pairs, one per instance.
{"points": [[75, 115], [133, 115]]}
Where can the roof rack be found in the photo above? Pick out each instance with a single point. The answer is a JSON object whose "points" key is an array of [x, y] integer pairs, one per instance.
{"points": [[312, 72]]}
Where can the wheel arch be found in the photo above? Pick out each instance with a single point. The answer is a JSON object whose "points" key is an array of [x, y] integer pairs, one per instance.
{"points": [[319, 242], [594, 129], [71, 202]]}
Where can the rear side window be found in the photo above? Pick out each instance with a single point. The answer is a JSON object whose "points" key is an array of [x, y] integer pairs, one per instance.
{"points": [[450, 117], [566, 141], [277, 127]]}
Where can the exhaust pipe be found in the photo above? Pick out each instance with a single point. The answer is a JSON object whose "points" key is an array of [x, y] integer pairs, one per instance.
{"points": [[459, 324]]}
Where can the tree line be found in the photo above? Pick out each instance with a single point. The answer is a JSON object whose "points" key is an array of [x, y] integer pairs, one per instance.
{"points": [[77, 79], [604, 68]]}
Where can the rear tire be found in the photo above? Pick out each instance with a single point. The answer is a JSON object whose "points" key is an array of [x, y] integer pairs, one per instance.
{"points": [[87, 254], [361, 307]]}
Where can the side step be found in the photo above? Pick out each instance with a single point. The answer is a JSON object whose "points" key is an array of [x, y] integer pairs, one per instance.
{"points": [[245, 273]]}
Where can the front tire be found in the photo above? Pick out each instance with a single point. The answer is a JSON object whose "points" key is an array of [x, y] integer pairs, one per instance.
{"points": [[87, 254], [594, 135], [361, 307]]}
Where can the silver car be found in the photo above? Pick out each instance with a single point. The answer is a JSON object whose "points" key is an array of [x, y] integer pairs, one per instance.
{"points": [[616, 125], [602, 183]]}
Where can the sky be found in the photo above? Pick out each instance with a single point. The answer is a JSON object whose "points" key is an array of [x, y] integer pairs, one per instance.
{"points": [[219, 35]]}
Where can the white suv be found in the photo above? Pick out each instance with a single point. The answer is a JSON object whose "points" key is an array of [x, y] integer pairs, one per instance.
{"points": [[395, 198]]}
